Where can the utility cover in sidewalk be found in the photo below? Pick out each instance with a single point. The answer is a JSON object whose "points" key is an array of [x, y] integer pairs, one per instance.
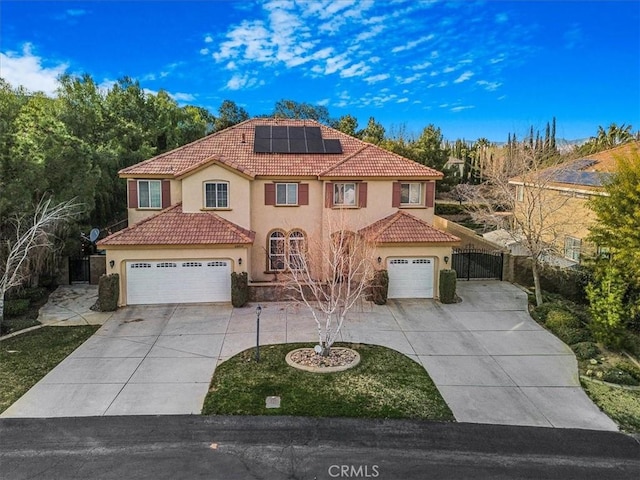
{"points": [[273, 402]]}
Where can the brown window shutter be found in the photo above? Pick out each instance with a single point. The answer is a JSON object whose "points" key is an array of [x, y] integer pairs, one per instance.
{"points": [[328, 195], [431, 193], [132, 187], [166, 193], [303, 194], [362, 195], [269, 193], [395, 197]]}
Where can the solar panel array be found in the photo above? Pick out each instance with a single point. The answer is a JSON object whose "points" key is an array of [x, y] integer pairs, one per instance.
{"points": [[575, 175], [284, 139]]}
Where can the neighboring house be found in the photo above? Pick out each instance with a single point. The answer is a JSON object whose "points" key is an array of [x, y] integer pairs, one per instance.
{"points": [[252, 196], [570, 186]]}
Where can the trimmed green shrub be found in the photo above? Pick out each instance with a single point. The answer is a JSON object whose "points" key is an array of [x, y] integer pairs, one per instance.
{"points": [[15, 307], [449, 209], [380, 287], [629, 368], [34, 293], [447, 286], [557, 318], [239, 289], [585, 350], [108, 293], [608, 309], [616, 375]]}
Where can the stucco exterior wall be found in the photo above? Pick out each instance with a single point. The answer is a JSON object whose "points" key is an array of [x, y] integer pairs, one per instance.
{"points": [[239, 194], [120, 256]]}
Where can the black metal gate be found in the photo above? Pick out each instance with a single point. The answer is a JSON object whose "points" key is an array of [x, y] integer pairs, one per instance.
{"points": [[473, 263], [79, 270]]}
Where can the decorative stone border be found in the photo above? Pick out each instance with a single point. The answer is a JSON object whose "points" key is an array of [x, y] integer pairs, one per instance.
{"points": [[306, 368]]}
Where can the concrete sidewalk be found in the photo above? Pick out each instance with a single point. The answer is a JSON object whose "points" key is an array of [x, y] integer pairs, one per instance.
{"points": [[489, 359]]}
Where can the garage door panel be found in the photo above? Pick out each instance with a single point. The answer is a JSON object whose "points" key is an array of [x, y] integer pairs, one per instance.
{"points": [[410, 277], [192, 281]]}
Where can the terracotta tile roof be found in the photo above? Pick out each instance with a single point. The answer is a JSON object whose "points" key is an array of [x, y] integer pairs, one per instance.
{"points": [[233, 147], [173, 227], [402, 227]]}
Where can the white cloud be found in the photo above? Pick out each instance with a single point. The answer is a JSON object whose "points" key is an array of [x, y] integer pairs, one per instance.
{"points": [[411, 44], [27, 70], [204, 51], [76, 12], [490, 86], [464, 77], [239, 81], [411, 79], [403, 100], [421, 66], [448, 69], [208, 39], [356, 70], [376, 78], [502, 18], [231, 66], [373, 32], [461, 108], [323, 103]]}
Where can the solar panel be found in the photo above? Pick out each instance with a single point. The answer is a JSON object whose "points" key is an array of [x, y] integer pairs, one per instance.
{"points": [[296, 132], [315, 145], [313, 132], [280, 145], [297, 145], [262, 145], [332, 146], [263, 131], [283, 139], [593, 179], [279, 132]]}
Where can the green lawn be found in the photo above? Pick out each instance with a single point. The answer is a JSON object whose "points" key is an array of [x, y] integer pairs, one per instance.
{"points": [[386, 384], [623, 406], [27, 358]]}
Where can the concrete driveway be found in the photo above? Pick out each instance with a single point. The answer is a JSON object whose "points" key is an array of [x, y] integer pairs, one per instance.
{"points": [[489, 359]]}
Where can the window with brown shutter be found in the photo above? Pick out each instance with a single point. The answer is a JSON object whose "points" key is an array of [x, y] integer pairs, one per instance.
{"points": [[269, 193], [132, 187], [362, 195], [395, 196], [303, 194], [328, 195], [431, 193], [166, 193]]}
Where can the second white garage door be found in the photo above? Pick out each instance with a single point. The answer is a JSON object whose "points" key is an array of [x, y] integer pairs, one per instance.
{"points": [[410, 277], [178, 281]]}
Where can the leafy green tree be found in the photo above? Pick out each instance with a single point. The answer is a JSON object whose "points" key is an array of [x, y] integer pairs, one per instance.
{"points": [[605, 139], [347, 124], [373, 133], [229, 114], [301, 110], [615, 291]]}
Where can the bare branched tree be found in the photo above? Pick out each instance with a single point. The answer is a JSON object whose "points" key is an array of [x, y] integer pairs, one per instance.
{"points": [[31, 235], [521, 195], [329, 276]]}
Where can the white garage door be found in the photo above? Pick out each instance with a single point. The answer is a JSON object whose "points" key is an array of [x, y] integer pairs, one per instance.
{"points": [[178, 281], [410, 277]]}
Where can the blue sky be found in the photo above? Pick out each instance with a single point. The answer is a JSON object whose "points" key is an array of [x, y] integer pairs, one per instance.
{"points": [[474, 69]]}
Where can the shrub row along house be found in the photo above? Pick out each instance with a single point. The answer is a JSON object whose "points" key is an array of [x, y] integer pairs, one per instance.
{"points": [[252, 197]]}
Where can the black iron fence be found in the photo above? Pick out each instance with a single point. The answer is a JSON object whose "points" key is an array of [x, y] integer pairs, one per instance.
{"points": [[474, 263]]}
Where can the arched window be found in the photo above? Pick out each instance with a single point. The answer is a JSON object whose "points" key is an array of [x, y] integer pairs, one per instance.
{"points": [[296, 250], [286, 251], [277, 250]]}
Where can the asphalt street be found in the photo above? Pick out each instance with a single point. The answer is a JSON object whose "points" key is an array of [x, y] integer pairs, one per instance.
{"points": [[197, 447]]}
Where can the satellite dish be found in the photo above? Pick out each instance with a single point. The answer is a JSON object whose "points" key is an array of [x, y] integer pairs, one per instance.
{"points": [[94, 234]]}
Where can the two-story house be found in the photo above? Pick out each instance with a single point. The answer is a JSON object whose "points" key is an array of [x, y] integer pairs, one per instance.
{"points": [[245, 198], [566, 191]]}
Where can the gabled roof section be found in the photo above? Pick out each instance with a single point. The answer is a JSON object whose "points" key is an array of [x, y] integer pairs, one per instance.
{"points": [[402, 227], [174, 227], [373, 161], [234, 148], [588, 173]]}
